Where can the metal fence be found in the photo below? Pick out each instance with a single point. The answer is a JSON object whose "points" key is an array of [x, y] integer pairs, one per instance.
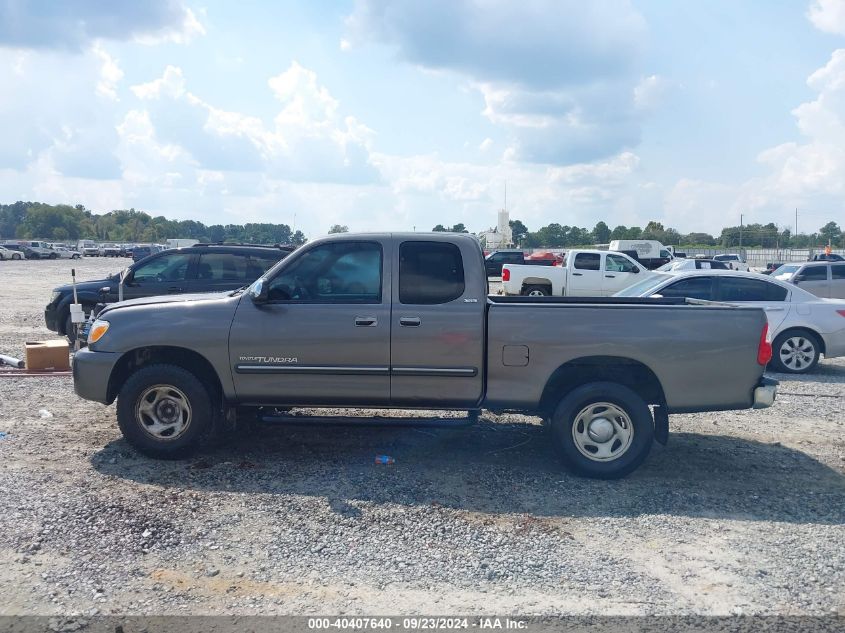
{"points": [[759, 257]]}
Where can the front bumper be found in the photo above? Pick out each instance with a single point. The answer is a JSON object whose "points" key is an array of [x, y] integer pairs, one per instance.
{"points": [[91, 374], [51, 317], [765, 393]]}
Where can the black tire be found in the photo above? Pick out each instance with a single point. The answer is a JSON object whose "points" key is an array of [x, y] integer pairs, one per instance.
{"points": [[76, 256], [70, 331], [536, 290], [54, 256], [16, 256], [785, 343], [134, 425], [565, 425]]}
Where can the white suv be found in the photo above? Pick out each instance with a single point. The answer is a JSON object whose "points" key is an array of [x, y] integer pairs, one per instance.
{"points": [[734, 262]]}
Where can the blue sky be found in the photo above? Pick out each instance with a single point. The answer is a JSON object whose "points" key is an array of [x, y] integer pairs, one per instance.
{"points": [[393, 115]]}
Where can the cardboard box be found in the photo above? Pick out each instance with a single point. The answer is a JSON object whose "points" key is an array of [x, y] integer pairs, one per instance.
{"points": [[41, 355]]}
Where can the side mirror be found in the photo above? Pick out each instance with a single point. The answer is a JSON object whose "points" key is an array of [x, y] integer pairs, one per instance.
{"points": [[259, 292], [798, 278], [104, 292], [636, 270]]}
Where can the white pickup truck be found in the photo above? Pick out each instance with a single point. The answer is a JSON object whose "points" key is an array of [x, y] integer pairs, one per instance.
{"points": [[584, 273]]}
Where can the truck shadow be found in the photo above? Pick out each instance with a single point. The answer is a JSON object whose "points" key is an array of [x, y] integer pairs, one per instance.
{"points": [[503, 469], [824, 372]]}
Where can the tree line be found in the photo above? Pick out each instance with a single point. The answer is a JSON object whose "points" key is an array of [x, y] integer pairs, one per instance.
{"points": [[66, 223], [748, 236]]}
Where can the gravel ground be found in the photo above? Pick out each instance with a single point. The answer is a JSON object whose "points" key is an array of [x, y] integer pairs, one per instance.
{"points": [[741, 513]]}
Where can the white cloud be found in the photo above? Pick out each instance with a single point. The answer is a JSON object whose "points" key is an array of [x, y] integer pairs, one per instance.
{"points": [[558, 75], [650, 92], [486, 144], [110, 73], [308, 139], [75, 26], [828, 16]]}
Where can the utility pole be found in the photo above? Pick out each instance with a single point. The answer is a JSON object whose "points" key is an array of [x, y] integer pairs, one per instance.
{"points": [[740, 232], [796, 221]]}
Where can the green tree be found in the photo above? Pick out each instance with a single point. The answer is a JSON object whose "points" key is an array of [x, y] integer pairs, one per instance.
{"points": [[831, 234], [518, 230], [459, 228], [339, 228], [440, 229], [619, 233], [601, 233]]}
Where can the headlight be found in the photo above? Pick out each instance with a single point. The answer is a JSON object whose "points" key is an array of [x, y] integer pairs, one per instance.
{"points": [[98, 330]]}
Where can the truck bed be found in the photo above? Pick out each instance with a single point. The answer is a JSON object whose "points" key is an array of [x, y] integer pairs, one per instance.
{"points": [[687, 348]]}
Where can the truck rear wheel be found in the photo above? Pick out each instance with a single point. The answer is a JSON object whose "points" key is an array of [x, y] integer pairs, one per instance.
{"points": [[603, 430], [164, 411], [537, 290]]}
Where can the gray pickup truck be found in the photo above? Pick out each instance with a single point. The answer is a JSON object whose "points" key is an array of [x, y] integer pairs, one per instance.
{"points": [[405, 321]]}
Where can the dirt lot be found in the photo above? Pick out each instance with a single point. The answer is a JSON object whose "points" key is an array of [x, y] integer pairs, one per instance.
{"points": [[741, 513]]}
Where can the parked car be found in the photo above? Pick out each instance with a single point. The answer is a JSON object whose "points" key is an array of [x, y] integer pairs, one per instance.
{"points": [[6, 253], [64, 253], [803, 326], [403, 320], [584, 273], [109, 250], [33, 249], [494, 261], [820, 278], [650, 254], [692, 264], [826, 257], [200, 268], [733, 261], [25, 252], [140, 252], [771, 267]]}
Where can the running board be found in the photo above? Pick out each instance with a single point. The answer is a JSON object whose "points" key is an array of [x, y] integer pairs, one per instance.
{"points": [[374, 421]]}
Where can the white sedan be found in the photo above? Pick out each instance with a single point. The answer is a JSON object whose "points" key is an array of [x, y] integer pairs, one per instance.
{"points": [[802, 325], [66, 253]]}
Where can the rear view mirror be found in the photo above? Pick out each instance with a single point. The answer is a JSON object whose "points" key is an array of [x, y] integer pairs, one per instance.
{"points": [[798, 278], [259, 291]]}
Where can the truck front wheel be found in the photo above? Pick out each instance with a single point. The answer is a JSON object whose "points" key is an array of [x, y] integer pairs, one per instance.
{"points": [[603, 430], [164, 411]]}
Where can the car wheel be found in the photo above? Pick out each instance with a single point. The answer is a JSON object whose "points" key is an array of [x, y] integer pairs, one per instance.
{"points": [[603, 430], [536, 291], [70, 330], [164, 411], [16, 256], [54, 255], [795, 352], [75, 256]]}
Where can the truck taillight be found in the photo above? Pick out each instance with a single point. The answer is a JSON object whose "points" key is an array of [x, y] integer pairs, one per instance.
{"points": [[764, 350], [841, 313], [506, 274]]}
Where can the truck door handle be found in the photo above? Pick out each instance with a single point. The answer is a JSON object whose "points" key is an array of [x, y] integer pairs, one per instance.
{"points": [[410, 321], [174, 289], [366, 321], [611, 276], [577, 274]]}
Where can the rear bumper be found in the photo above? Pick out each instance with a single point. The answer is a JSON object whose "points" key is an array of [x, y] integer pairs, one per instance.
{"points": [[765, 393], [834, 344], [91, 374]]}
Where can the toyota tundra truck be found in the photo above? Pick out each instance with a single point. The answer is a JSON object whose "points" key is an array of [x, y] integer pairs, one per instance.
{"points": [[405, 321]]}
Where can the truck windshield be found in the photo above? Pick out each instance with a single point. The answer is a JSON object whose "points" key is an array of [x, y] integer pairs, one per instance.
{"points": [[643, 287]]}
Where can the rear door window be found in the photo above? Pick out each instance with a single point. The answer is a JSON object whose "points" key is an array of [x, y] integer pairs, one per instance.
{"points": [[814, 273], [430, 273], [215, 267], [588, 261], [838, 271], [692, 288], [741, 289]]}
